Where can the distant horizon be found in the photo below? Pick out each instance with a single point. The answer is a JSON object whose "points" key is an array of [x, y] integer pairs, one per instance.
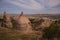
{"points": [[29, 13]]}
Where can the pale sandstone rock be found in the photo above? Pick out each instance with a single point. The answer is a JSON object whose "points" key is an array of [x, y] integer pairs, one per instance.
{"points": [[23, 23], [6, 21]]}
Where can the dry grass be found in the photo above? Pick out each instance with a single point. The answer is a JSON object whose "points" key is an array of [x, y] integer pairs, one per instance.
{"points": [[11, 34]]}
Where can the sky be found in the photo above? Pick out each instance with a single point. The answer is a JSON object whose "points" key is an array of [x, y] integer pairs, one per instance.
{"points": [[30, 6]]}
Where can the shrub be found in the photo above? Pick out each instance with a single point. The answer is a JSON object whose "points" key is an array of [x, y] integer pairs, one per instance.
{"points": [[52, 32]]}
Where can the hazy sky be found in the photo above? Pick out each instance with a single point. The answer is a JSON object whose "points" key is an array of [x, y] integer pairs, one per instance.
{"points": [[30, 6]]}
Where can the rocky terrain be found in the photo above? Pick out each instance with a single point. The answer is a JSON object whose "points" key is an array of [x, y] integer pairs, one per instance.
{"points": [[23, 27]]}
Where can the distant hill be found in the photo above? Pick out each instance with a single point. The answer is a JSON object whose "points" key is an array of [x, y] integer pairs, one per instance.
{"points": [[46, 15]]}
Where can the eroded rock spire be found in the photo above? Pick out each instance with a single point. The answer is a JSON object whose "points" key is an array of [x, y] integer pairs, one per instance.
{"points": [[23, 23], [6, 21]]}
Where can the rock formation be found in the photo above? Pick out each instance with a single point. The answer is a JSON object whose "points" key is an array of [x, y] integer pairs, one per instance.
{"points": [[6, 21], [23, 23], [46, 22]]}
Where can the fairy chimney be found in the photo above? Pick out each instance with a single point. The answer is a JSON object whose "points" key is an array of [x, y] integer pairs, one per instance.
{"points": [[6, 21], [23, 23]]}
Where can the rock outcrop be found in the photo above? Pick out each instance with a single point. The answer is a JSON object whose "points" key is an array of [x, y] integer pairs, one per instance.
{"points": [[23, 23], [6, 21], [47, 22]]}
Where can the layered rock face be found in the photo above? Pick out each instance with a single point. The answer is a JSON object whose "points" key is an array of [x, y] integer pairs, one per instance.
{"points": [[6, 21], [23, 23]]}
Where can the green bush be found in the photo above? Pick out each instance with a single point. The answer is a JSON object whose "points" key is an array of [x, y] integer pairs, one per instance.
{"points": [[53, 31]]}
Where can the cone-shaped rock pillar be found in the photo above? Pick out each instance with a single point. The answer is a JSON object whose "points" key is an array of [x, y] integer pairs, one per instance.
{"points": [[23, 23], [6, 21]]}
